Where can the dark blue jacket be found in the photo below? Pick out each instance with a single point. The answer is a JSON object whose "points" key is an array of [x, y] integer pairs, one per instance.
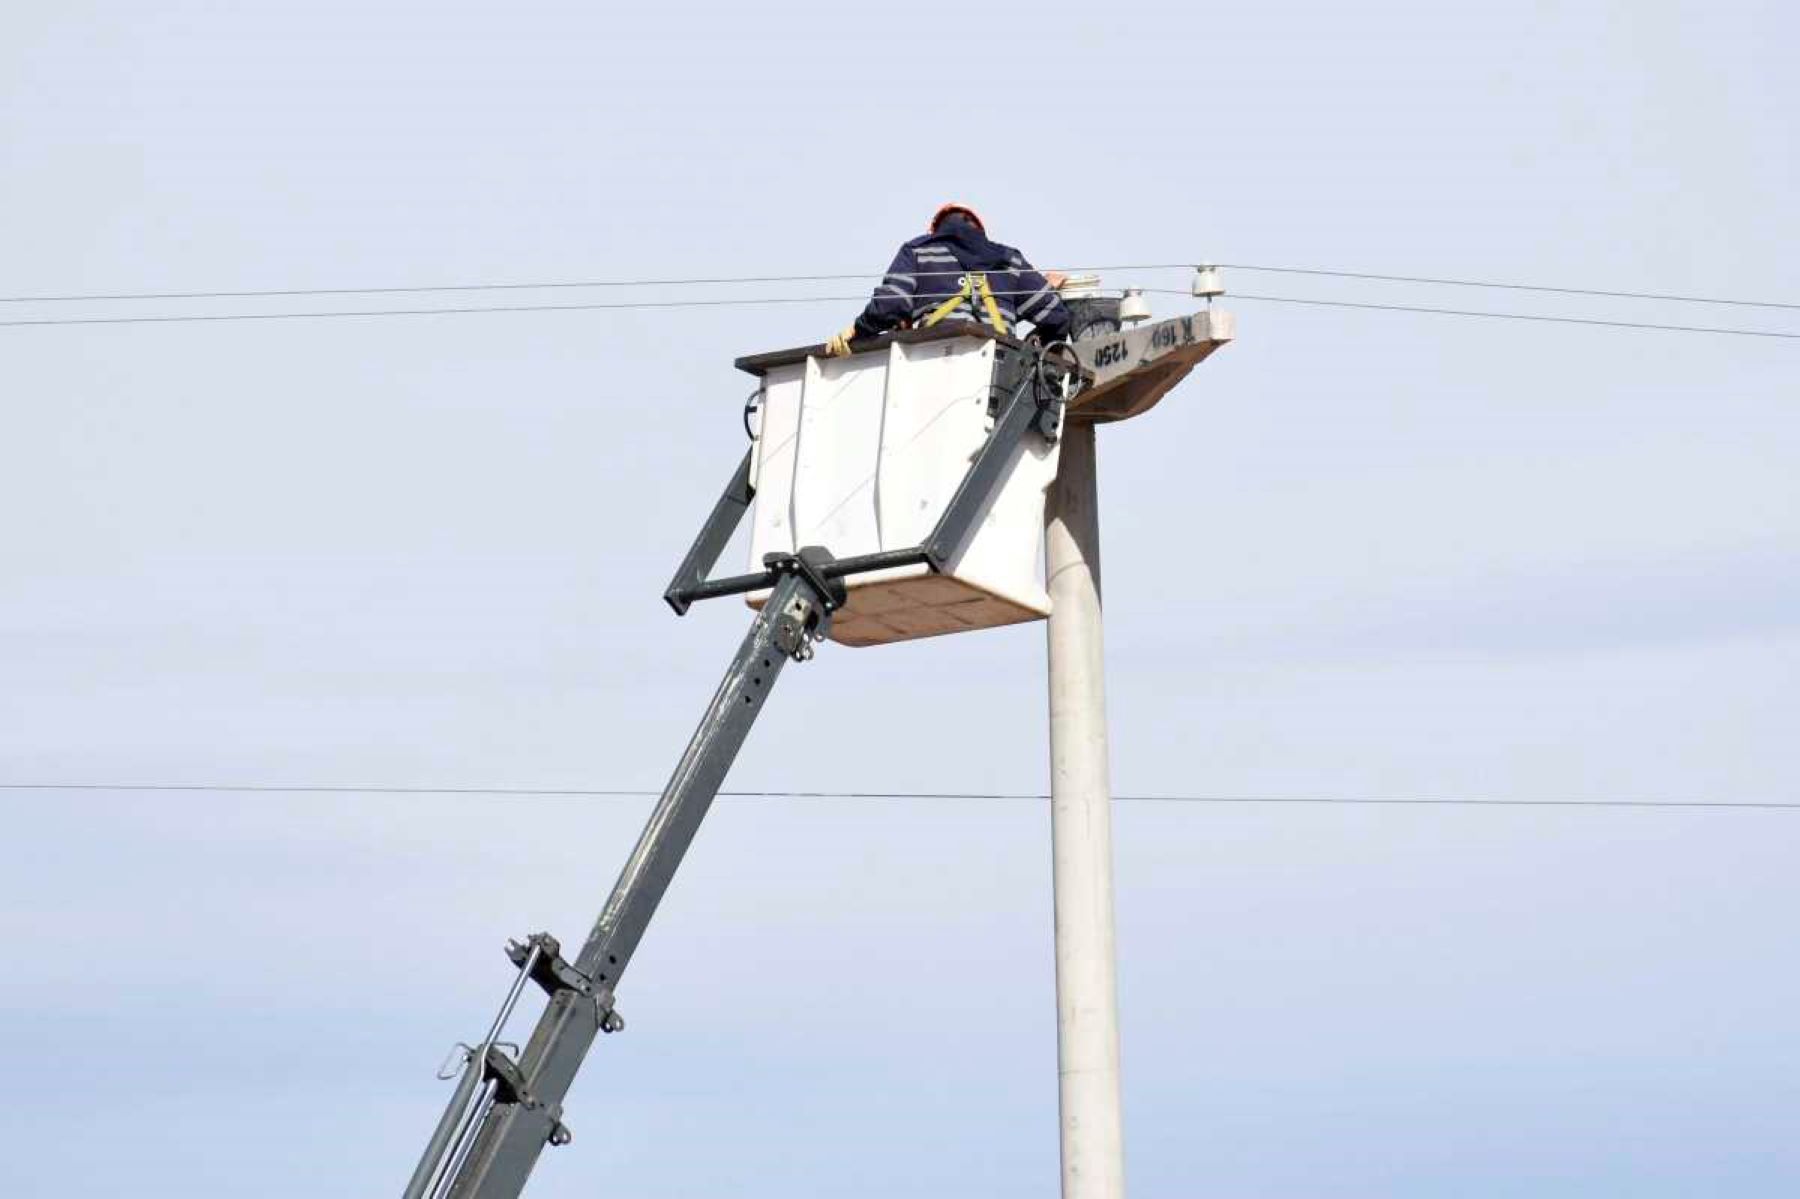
{"points": [[929, 270]]}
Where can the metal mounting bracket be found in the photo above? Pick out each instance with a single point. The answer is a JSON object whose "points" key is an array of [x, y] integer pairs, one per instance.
{"points": [[548, 969], [807, 617]]}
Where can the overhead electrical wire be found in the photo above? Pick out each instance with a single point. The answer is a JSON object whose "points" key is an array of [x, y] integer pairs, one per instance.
{"points": [[1663, 297], [640, 793], [1498, 316], [290, 316], [619, 304], [550, 285], [726, 280], [719, 302], [187, 318]]}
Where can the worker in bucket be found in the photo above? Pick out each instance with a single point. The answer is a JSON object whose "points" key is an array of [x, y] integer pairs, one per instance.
{"points": [[955, 273]]}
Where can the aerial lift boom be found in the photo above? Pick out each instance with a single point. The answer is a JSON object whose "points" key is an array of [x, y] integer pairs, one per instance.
{"points": [[508, 1106]]}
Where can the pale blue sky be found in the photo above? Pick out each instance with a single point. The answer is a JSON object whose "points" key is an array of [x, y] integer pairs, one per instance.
{"points": [[1359, 554]]}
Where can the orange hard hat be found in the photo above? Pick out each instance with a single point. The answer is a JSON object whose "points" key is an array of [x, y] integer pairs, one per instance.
{"points": [[937, 218]]}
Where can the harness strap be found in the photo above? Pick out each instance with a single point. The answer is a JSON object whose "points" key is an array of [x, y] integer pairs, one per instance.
{"points": [[972, 282], [952, 304], [993, 306]]}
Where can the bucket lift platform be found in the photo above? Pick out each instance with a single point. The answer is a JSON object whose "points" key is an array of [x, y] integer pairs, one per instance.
{"points": [[864, 453]]}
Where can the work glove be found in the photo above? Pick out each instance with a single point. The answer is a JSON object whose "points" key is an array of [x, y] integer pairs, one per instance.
{"points": [[839, 345]]}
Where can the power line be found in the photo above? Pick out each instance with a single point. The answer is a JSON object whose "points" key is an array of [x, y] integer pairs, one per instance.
{"points": [[541, 285], [726, 280], [447, 311], [638, 793], [1500, 316], [1488, 283], [761, 300], [290, 316]]}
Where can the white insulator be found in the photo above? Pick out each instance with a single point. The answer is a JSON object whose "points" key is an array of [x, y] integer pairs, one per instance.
{"points": [[1208, 282], [1133, 307]]}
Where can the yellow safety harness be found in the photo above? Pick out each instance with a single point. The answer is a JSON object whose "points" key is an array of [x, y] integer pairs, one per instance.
{"points": [[973, 283]]}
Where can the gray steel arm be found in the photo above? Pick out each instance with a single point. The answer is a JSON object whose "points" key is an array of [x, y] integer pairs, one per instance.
{"points": [[524, 1108], [715, 535]]}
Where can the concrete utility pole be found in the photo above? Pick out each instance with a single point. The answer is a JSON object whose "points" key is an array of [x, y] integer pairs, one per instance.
{"points": [[1087, 1004], [1131, 370]]}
